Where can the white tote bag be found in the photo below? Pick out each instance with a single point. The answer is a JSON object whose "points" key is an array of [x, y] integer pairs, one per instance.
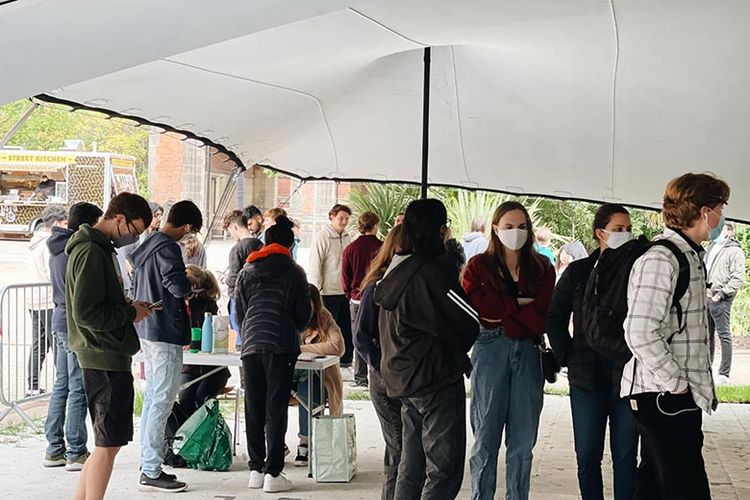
{"points": [[334, 450]]}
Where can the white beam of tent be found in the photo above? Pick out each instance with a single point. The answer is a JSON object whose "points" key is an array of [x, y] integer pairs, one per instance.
{"points": [[587, 99]]}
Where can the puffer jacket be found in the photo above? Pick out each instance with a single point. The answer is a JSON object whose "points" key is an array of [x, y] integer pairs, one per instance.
{"points": [[326, 257], [272, 302], [427, 325], [725, 265], [58, 263], [159, 274]]}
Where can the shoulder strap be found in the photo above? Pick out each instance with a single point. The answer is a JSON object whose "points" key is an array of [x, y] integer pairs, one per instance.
{"points": [[683, 281]]}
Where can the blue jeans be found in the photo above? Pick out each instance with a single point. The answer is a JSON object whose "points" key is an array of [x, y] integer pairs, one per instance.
{"points": [[163, 366], [590, 412], [234, 324], [507, 393], [66, 414], [301, 389]]}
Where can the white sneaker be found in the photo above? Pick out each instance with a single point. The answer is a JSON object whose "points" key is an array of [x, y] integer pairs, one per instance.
{"points": [[347, 374], [276, 484], [722, 380], [256, 480]]}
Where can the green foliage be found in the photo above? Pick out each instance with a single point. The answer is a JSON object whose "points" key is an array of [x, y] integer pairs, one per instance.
{"points": [[50, 125], [386, 200], [733, 394]]}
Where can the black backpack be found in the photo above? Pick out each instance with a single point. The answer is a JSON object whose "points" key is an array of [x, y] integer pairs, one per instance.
{"points": [[605, 300]]}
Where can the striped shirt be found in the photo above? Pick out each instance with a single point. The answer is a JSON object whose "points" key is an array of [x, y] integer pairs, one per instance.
{"points": [[658, 366]]}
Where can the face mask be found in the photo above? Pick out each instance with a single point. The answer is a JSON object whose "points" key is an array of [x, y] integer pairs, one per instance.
{"points": [[714, 233], [617, 239], [512, 239], [124, 239]]}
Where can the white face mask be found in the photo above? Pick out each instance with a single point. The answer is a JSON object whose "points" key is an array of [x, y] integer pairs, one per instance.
{"points": [[513, 239], [617, 239]]}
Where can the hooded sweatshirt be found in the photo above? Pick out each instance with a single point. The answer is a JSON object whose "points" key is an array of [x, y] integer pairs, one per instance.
{"points": [[159, 274], [58, 262], [326, 256], [474, 243], [427, 325], [100, 322], [39, 269]]}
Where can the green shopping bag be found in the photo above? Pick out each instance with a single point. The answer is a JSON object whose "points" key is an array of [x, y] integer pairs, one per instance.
{"points": [[204, 439]]}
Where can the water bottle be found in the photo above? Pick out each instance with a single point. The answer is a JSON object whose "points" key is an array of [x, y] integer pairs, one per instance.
{"points": [[195, 340], [207, 334]]}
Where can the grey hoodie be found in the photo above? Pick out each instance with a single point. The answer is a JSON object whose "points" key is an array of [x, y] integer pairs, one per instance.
{"points": [[159, 274], [725, 266]]}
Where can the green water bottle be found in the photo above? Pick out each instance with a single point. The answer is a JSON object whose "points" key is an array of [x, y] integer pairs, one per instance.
{"points": [[195, 340]]}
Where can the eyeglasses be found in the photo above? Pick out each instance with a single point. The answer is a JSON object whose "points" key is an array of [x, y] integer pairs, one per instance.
{"points": [[448, 223]]}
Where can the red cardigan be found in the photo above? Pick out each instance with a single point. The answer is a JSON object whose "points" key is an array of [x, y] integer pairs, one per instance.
{"points": [[493, 304], [356, 261]]}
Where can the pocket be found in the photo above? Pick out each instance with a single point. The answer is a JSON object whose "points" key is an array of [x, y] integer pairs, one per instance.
{"points": [[672, 405], [487, 336]]}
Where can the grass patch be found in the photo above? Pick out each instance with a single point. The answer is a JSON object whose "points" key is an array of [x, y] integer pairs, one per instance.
{"points": [[13, 432], [357, 396], [733, 394], [553, 390]]}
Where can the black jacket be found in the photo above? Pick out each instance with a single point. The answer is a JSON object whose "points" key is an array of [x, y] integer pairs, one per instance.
{"points": [[58, 262], [587, 369], [159, 274], [366, 329], [272, 302], [427, 325], [237, 257]]}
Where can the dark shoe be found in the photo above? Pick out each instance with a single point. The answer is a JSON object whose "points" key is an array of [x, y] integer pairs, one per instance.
{"points": [[76, 464], [165, 482], [360, 384], [54, 460], [301, 459]]}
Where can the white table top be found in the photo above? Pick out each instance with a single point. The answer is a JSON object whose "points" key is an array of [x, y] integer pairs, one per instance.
{"points": [[233, 359]]}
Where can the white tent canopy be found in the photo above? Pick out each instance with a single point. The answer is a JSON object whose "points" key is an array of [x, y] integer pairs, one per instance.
{"points": [[585, 99]]}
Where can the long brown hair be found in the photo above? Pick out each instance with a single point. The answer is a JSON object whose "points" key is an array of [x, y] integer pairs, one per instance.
{"points": [[531, 264], [207, 281], [382, 260], [321, 318]]}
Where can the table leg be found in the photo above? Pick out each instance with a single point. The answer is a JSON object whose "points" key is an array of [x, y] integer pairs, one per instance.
{"points": [[236, 437], [310, 409]]}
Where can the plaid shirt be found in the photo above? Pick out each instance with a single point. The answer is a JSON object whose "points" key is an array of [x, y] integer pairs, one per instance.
{"points": [[656, 365]]}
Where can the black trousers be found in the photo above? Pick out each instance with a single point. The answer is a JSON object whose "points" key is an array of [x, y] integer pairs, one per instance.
{"points": [[672, 466], [268, 382], [338, 306], [42, 341], [388, 411], [360, 365]]}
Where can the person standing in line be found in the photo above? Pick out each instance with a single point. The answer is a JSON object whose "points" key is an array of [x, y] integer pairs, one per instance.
{"points": [[254, 218], [101, 332], [594, 380], [399, 219], [65, 426], [236, 224], [367, 342], [725, 264], [42, 305], [427, 326], [269, 219], [543, 241], [159, 275], [325, 273], [355, 263], [475, 242], [273, 303], [157, 211], [668, 380], [569, 253], [511, 285]]}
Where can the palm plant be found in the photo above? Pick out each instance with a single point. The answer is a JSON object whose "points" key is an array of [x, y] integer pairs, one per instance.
{"points": [[386, 200]]}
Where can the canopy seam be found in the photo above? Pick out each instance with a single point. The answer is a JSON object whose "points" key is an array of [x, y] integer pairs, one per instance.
{"points": [[615, 71], [386, 28], [458, 117]]}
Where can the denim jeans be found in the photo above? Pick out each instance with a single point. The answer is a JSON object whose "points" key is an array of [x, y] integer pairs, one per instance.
{"points": [[66, 413], [235, 326], [434, 445], [507, 394], [163, 366], [388, 411], [718, 322], [590, 413], [301, 389]]}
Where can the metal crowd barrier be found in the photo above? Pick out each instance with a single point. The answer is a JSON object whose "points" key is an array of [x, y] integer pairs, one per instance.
{"points": [[27, 347]]}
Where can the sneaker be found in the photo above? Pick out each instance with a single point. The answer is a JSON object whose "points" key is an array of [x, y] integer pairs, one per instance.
{"points": [[76, 465], [256, 480], [165, 482], [301, 459], [722, 380], [276, 484], [347, 374], [54, 460]]}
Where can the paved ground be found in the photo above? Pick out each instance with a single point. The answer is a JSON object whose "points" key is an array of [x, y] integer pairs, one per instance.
{"points": [[554, 474]]}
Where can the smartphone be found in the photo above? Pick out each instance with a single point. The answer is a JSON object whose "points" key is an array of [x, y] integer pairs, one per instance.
{"points": [[156, 305]]}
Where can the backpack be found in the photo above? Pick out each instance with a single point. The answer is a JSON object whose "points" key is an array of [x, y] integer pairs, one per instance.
{"points": [[605, 299]]}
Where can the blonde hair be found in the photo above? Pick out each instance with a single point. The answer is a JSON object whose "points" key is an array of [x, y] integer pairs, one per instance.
{"points": [[275, 213], [206, 280]]}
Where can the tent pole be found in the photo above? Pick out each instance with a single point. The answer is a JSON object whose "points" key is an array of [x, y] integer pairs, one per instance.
{"points": [[25, 116], [425, 120]]}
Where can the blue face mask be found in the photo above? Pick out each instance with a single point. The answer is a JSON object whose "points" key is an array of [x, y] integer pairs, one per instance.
{"points": [[715, 233]]}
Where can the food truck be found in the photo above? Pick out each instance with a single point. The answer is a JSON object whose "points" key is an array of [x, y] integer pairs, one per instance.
{"points": [[32, 180]]}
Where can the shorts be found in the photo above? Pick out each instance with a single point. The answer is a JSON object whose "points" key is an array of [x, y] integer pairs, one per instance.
{"points": [[109, 396]]}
